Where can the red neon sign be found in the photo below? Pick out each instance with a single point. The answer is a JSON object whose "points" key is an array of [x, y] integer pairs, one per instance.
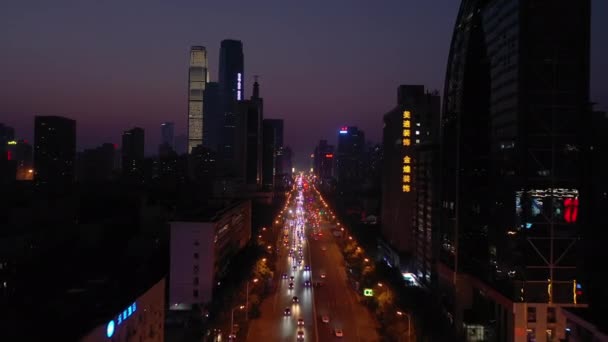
{"points": [[570, 209]]}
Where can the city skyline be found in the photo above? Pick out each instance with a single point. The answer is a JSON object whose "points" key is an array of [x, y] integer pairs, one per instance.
{"points": [[140, 76]]}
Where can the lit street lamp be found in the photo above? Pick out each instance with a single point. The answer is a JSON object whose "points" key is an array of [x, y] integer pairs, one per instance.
{"points": [[255, 280], [409, 330], [232, 319]]}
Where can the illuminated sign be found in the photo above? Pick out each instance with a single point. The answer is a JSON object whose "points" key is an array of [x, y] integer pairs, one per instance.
{"points": [[570, 209], [12, 142], [368, 292], [122, 316], [110, 329], [239, 84], [329, 155], [344, 130], [406, 177]]}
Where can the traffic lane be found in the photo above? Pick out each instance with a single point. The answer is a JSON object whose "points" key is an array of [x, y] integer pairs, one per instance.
{"points": [[334, 297]]}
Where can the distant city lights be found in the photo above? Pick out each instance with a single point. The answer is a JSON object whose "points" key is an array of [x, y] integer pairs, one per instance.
{"points": [[344, 130]]}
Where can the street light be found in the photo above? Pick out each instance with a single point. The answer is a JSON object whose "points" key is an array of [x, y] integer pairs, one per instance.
{"points": [[399, 313], [232, 319], [255, 280]]}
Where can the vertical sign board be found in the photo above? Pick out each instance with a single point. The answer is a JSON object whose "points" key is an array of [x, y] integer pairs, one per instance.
{"points": [[406, 185]]}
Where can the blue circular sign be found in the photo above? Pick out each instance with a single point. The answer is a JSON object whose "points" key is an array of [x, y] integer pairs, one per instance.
{"points": [[110, 329]]}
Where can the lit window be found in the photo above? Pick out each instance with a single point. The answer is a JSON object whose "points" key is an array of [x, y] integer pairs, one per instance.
{"points": [[417, 132]]}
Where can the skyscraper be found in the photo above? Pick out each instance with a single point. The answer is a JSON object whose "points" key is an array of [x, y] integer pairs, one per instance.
{"points": [[213, 121], [268, 154], [133, 154], [351, 145], [407, 193], [324, 160], [248, 134], [54, 149], [167, 133], [232, 89], [197, 80], [516, 99]]}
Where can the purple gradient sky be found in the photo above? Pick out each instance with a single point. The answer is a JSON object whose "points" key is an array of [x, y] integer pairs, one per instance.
{"points": [[112, 65]]}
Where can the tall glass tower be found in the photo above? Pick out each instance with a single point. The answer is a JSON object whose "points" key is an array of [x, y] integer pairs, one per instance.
{"points": [[232, 89], [197, 80]]}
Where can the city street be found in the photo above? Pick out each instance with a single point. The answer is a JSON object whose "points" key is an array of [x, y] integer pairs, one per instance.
{"points": [[333, 298]]}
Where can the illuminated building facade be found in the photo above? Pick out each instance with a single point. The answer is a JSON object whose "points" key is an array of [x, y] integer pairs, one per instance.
{"points": [[515, 106], [54, 149], [201, 247], [408, 203], [198, 77]]}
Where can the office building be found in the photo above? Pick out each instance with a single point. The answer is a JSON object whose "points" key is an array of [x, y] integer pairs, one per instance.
{"points": [[232, 89], [349, 161], [324, 157], [268, 154], [516, 102], [23, 154], [197, 80], [167, 131], [201, 247], [54, 149], [140, 319], [213, 121], [96, 164], [407, 185], [248, 142], [133, 154]]}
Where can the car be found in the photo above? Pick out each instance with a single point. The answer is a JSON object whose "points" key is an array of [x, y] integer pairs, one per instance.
{"points": [[287, 311], [290, 286], [300, 335], [291, 278], [323, 275], [307, 268], [307, 283], [284, 276], [294, 267], [338, 333], [295, 299], [325, 319], [300, 321]]}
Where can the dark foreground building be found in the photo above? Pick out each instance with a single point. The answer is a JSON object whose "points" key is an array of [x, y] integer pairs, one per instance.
{"points": [[515, 108], [54, 149]]}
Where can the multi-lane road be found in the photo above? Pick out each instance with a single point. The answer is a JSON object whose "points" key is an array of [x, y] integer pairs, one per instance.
{"points": [[302, 247]]}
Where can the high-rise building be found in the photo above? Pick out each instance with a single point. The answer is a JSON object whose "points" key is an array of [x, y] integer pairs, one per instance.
{"points": [[407, 198], [232, 89], [96, 164], [324, 160], [197, 80], [54, 149], [268, 154], [167, 131], [133, 154], [7, 164], [23, 154], [516, 100], [351, 145], [213, 121], [248, 147]]}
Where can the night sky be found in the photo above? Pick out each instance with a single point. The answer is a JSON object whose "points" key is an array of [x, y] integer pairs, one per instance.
{"points": [[112, 65]]}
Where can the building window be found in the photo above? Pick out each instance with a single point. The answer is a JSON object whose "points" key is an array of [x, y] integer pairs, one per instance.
{"points": [[195, 293], [551, 315], [195, 280], [195, 255], [531, 315]]}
